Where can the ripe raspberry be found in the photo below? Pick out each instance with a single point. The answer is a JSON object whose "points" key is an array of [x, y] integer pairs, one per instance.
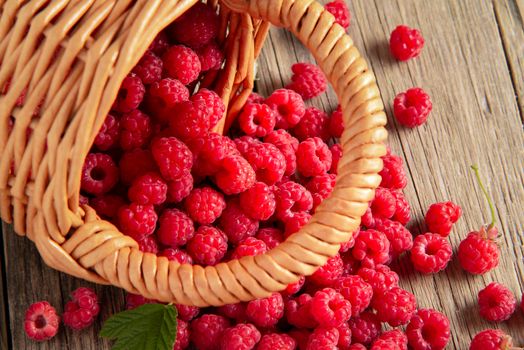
{"points": [[314, 123], [135, 130], [491, 339], [288, 106], [428, 329], [351, 265], [135, 163], [182, 335], [313, 157], [384, 204], [344, 336], [82, 310], [393, 339], [266, 312], [191, 120], [272, 236], [365, 328], [258, 202], [180, 188], [329, 308], [182, 63], [235, 175], [294, 288], [295, 223], [208, 246], [172, 156], [399, 237], [301, 336], [356, 291], [162, 97], [207, 330], [107, 206], [160, 44], [204, 205], [496, 302], [41, 321], [149, 68], [326, 275], [209, 152], [210, 56], [175, 228], [175, 254], [412, 107], [267, 161], [323, 339], [402, 208], [213, 104], [99, 174], [336, 123], [187, 312], [135, 300], [395, 306], [298, 312], [287, 145], [255, 98], [405, 43], [340, 10], [336, 154], [357, 346], [308, 80], [393, 174], [431, 253], [249, 247], [256, 119], [236, 224], [148, 244], [381, 278], [274, 341], [478, 253], [130, 95], [243, 336], [196, 27], [346, 246], [149, 188], [236, 311], [440, 217], [137, 220], [371, 247], [109, 133]]}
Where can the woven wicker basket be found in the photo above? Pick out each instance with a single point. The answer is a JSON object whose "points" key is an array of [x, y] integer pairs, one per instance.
{"points": [[70, 56]]}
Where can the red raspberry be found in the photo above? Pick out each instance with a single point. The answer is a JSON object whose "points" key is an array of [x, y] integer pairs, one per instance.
{"points": [[149, 188], [329, 308], [135, 163], [256, 119], [395, 306], [182, 63], [182, 335], [336, 123], [180, 188], [402, 208], [149, 68], [236, 224], [108, 135], [135, 300], [266, 312], [308, 80], [314, 123], [175, 254], [272, 236], [274, 341], [196, 27], [371, 247], [340, 10], [365, 328], [107, 206], [301, 336], [298, 312], [313, 157], [160, 44], [323, 339], [130, 95], [267, 161], [357, 346], [440, 217], [162, 97], [41, 321], [208, 246], [384, 204], [209, 151], [329, 273], [99, 174], [213, 104], [346, 246], [288, 106], [336, 154], [175, 228], [204, 205], [258, 202], [255, 98], [496, 302], [211, 57], [478, 253], [491, 339], [399, 237], [381, 278], [405, 43], [287, 145], [294, 288], [243, 336], [191, 121], [412, 107], [207, 330], [187, 312], [344, 336], [235, 175], [82, 310], [428, 329], [295, 223], [236, 311], [135, 130], [356, 291], [249, 247], [393, 174], [351, 265], [137, 220], [393, 339], [148, 244], [172, 156], [431, 253], [367, 220]]}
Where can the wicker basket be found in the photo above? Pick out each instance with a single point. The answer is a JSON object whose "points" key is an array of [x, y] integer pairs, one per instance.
{"points": [[70, 56]]}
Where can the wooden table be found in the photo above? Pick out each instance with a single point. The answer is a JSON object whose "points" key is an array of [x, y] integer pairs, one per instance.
{"points": [[473, 68]]}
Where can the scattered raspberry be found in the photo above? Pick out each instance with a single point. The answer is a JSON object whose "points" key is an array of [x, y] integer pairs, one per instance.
{"points": [[249, 247], [491, 339], [175, 228], [267, 161], [287, 145], [394, 339], [208, 246], [211, 57], [313, 157], [292, 198], [235, 175], [294, 288], [175, 254], [294, 224], [344, 336], [496, 302], [209, 152], [187, 312], [236, 224], [478, 253], [107, 206], [191, 120], [298, 312], [135, 163], [266, 312], [405, 43], [258, 202], [402, 208], [255, 98], [399, 237], [428, 329], [207, 330], [196, 27], [135, 130], [326, 275], [301, 336], [172, 156], [182, 63], [148, 244], [179, 188], [130, 95], [162, 97], [137, 220], [243, 336], [323, 339], [395, 306], [431, 253], [440, 217], [336, 154], [273, 341], [149, 68], [308, 80], [204, 205], [288, 106], [381, 278], [365, 328], [41, 321], [149, 188], [82, 310], [357, 346], [256, 119], [213, 104], [384, 204], [351, 265], [340, 10], [412, 107], [346, 246], [135, 300], [329, 308], [272, 236], [336, 123], [160, 44], [244, 143], [314, 123], [182, 335], [371, 247], [99, 174], [356, 291], [109, 133], [393, 174]]}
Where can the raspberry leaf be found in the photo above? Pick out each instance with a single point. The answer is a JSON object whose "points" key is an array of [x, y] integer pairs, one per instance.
{"points": [[148, 327]]}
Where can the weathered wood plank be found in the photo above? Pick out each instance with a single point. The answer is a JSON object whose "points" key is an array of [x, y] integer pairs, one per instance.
{"points": [[4, 325]]}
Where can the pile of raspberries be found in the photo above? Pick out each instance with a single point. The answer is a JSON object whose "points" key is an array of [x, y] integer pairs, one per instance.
{"points": [[162, 176]]}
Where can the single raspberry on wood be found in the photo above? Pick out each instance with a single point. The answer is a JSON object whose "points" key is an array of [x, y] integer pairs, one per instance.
{"points": [[211, 57], [149, 188], [137, 220], [175, 228], [107, 205], [272, 236], [371, 247], [179, 188], [395, 306], [288, 145], [163, 95], [496, 302], [491, 339], [393, 174], [135, 130], [99, 174], [365, 328], [405, 43], [323, 338], [336, 155], [381, 278], [356, 291], [182, 63], [256, 119], [109, 133], [288, 106], [207, 330], [412, 107], [176, 254], [308, 80], [243, 336], [266, 312], [431, 253], [196, 27], [82, 310], [41, 321], [314, 123], [204, 205], [440, 217], [149, 68], [236, 224], [428, 329], [313, 157], [208, 246], [330, 308], [172, 156], [399, 237], [235, 175], [339, 9], [130, 95], [329, 273], [298, 312], [274, 341], [292, 198], [249, 247], [182, 335], [258, 202]]}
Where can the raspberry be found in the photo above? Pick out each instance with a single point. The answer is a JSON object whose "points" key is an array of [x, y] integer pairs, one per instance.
{"points": [[294, 288], [431, 253], [236, 311], [266, 312], [272, 236], [149, 188], [82, 310], [204, 205], [249, 247], [314, 123], [172, 156], [336, 154], [235, 175], [394, 339], [267, 161], [130, 95], [41, 321], [175, 254], [191, 120], [405, 43], [258, 202], [365, 328], [428, 329], [148, 244], [256, 119], [135, 163], [402, 208], [274, 341], [137, 220], [182, 335], [298, 312], [344, 336], [135, 130], [339, 9], [288, 106], [323, 339], [328, 273], [412, 107], [255, 98], [346, 246], [367, 219], [440, 217], [209, 151], [478, 253], [381, 278], [371, 247], [135, 300], [313, 157], [149, 68], [356, 291], [496, 302], [384, 204], [287, 145], [162, 97], [491, 339], [336, 123], [179, 188], [207, 330], [308, 80], [196, 27], [357, 346], [182, 63], [301, 336], [295, 223], [187, 312], [210, 56], [208, 246], [236, 224], [393, 174], [395, 306], [99, 174], [243, 336], [108, 135], [107, 206], [160, 44], [329, 308], [399, 237], [213, 104], [175, 228]]}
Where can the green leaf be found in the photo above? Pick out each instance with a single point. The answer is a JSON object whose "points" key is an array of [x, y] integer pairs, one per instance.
{"points": [[148, 327]]}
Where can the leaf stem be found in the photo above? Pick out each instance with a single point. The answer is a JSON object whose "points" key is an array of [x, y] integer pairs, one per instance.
{"points": [[488, 198]]}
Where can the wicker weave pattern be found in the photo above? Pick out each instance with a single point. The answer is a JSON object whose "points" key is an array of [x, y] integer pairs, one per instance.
{"points": [[72, 57]]}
